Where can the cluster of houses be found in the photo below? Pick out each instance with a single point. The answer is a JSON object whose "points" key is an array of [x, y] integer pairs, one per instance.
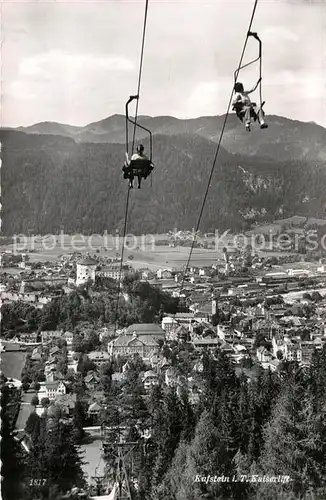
{"points": [[56, 390], [282, 336], [223, 314], [39, 283]]}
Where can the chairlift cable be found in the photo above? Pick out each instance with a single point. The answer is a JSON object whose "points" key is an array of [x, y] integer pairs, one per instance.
{"points": [[133, 144], [218, 148], [140, 72]]}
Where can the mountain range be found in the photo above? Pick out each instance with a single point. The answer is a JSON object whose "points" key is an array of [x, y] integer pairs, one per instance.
{"points": [[57, 176], [294, 139]]}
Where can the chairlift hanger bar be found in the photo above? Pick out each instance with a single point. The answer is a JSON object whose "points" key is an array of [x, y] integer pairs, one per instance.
{"points": [[254, 35], [136, 124]]}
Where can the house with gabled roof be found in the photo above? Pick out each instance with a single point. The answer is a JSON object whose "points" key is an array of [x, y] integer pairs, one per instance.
{"points": [[149, 379], [94, 409], [91, 380], [201, 343], [51, 390], [264, 355], [36, 354], [164, 274]]}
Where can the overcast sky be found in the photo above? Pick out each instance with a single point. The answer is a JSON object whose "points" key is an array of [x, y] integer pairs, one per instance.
{"points": [[77, 62]]}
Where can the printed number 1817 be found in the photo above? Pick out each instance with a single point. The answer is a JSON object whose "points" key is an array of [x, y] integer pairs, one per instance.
{"points": [[37, 482]]}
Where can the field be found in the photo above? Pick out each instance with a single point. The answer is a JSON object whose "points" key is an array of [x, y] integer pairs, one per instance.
{"points": [[12, 363], [145, 249]]}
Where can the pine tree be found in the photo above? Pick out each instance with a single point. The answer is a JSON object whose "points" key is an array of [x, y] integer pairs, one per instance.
{"points": [[175, 484], [203, 457], [295, 445], [263, 393], [55, 458], [167, 439], [188, 420], [317, 379], [12, 468]]}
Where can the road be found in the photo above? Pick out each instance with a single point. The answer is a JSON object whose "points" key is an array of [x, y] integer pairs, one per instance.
{"points": [[92, 454]]}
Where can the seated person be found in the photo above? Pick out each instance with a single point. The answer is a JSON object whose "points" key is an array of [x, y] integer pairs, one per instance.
{"points": [[143, 162], [246, 109], [140, 154]]}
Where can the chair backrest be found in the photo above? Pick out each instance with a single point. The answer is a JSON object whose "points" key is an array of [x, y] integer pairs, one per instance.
{"points": [[140, 164], [141, 167]]}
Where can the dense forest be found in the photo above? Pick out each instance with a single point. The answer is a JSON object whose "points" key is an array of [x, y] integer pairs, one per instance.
{"points": [[268, 426], [51, 182]]}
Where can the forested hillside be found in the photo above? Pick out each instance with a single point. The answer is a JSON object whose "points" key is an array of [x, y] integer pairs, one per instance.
{"points": [[49, 182]]}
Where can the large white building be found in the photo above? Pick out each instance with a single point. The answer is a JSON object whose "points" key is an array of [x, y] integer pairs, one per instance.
{"points": [[86, 271], [113, 271]]}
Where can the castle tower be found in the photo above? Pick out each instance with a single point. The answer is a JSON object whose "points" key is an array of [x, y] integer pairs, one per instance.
{"points": [[86, 271]]}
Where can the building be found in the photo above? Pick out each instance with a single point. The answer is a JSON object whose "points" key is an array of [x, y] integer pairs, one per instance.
{"points": [[172, 322], [263, 355], [129, 345], [98, 357], [69, 337], [300, 273], [52, 375], [180, 334], [118, 377], [164, 274], [54, 351], [140, 329], [293, 352], [36, 354], [49, 336], [201, 343], [113, 271], [322, 266], [72, 365], [94, 409], [169, 324], [91, 381], [51, 390], [308, 348], [86, 270], [146, 274], [287, 349], [271, 365], [29, 338], [205, 310], [149, 379]]}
